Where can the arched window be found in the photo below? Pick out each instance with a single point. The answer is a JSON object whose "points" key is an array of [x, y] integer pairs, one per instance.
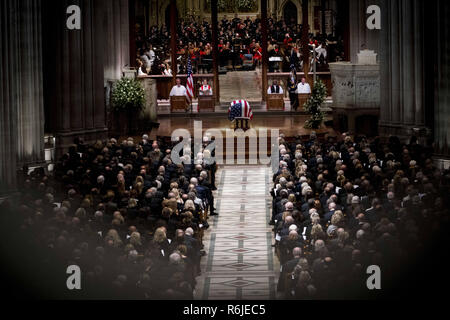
{"points": [[290, 13]]}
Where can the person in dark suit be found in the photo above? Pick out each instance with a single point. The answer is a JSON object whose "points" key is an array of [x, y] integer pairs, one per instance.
{"points": [[292, 89], [193, 249], [331, 210], [288, 267]]}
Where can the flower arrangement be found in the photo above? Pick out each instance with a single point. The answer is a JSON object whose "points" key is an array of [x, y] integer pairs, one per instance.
{"points": [[127, 94], [312, 106]]}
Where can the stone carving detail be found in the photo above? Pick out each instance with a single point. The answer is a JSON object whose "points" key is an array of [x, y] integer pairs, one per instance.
{"points": [[355, 85], [343, 91], [368, 92]]}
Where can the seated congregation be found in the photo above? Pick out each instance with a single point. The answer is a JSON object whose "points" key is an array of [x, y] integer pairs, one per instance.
{"points": [[341, 206], [124, 213], [133, 221]]}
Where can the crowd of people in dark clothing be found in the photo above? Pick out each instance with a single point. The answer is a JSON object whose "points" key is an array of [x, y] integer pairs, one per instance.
{"points": [[124, 213], [341, 206], [239, 41], [133, 221]]}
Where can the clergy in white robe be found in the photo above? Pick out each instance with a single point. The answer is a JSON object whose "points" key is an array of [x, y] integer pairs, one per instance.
{"points": [[205, 89], [303, 87], [178, 89]]}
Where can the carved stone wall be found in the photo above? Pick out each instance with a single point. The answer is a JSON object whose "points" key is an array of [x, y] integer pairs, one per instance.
{"points": [[356, 91], [149, 111], [355, 86]]}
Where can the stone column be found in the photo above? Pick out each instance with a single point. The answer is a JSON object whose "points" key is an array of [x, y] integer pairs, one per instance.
{"points": [[116, 24], [132, 30], [361, 37], [265, 58], [215, 51], [117, 51], [173, 38], [442, 84], [22, 113], [30, 107], [74, 72], [9, 86], [153, 13], [305, 38], [401, 68]]}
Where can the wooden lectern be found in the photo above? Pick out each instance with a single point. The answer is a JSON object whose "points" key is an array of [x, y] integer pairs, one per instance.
{"points": [[275, 101], [205, 103], [302, 98], [177, 103]]}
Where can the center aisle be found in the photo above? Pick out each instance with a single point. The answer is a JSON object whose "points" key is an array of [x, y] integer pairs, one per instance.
{"points": [[240, 263]]}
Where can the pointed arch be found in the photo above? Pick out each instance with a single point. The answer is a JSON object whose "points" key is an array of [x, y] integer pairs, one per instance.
{"points": [[298, 7]]}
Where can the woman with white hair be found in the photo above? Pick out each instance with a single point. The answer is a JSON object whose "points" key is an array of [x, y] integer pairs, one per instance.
{"points": [[113, 239], [135, 240], [160, 245]]}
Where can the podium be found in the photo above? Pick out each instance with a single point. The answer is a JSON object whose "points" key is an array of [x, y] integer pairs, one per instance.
{"points": [[275, 101], [205, 103], [302, 98], [177, 103]]}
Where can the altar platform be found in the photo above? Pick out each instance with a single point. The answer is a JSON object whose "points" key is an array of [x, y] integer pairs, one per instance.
{"points": [[290, 126]]}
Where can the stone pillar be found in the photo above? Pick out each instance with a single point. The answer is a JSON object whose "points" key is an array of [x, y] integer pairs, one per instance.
{"points": [[151, 94], [265, 56], [401, 67], [441, 92], [117, 51], [132, 31], [153, 13], [30, 107], [215, 50], [361, 37], [74, 71], [9, 87], [173, 38], [116, 24], [22, 113], [305, 38]]}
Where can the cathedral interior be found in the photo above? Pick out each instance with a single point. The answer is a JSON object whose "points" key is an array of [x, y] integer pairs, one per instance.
{"points": [[386, 90]]}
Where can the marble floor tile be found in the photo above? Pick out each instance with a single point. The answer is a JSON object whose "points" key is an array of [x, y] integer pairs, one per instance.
{"points": [[240, 263]]}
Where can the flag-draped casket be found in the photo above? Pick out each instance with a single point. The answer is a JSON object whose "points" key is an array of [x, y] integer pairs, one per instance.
{"points": [[240, 109]]}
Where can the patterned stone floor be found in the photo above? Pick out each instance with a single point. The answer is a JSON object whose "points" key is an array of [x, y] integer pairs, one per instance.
{"points": [[240, 263]]}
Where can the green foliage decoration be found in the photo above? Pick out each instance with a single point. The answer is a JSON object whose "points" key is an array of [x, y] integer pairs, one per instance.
{"points": [[313, 104], [127, 93]]}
